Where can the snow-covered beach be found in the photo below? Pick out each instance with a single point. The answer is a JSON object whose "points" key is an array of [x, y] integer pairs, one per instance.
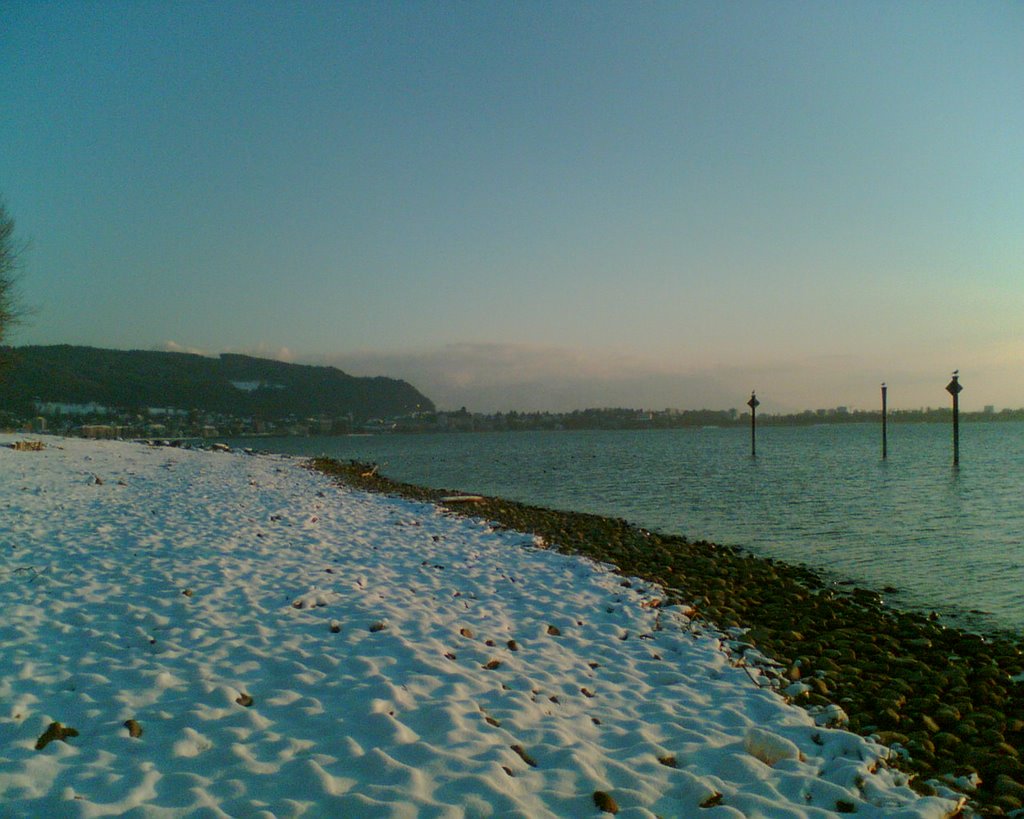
{"points": [[289, 647]]}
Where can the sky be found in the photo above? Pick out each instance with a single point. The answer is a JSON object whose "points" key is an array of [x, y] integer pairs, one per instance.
{"points": [[532, 205]]}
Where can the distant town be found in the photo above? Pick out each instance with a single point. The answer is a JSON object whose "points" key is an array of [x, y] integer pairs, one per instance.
{"points": [[97, 421], [147, 395]]}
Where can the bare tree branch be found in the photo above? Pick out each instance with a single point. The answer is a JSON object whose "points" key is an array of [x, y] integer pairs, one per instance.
{"points": [[10, 268]]}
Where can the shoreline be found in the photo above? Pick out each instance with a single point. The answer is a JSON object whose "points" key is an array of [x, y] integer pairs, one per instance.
{"points": [[241, 635], [943, 697], [945, 539]]}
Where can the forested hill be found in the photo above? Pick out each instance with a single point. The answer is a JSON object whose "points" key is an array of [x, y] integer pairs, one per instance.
{"points": [[233, 384]]}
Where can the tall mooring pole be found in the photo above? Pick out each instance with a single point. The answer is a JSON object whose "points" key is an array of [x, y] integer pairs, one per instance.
{"points": [[885, 421], [753, 403], [954, 389]]}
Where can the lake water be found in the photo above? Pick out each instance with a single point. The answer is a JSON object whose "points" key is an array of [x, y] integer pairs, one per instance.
{"points": [[950, 539]]}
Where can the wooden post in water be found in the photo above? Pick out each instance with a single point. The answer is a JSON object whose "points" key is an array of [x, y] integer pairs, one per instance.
{"points": [[753, 403], [954, 389], [885, 421]]}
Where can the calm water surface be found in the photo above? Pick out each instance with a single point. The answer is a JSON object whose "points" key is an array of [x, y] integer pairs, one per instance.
{"points": [[950, 540]]}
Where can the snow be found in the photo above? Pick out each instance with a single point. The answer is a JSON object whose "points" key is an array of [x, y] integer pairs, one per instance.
{"points": [[252, 386], [59, 408], [294, 648]]}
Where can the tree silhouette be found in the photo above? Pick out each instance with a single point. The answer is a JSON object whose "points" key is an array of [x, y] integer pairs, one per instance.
{"points": [[10, 264]]}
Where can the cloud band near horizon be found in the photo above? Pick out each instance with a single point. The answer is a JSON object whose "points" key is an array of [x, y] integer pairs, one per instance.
{"points": [[493, 377]]}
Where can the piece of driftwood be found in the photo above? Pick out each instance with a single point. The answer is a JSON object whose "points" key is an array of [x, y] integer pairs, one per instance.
{"points": [[28, 446]]}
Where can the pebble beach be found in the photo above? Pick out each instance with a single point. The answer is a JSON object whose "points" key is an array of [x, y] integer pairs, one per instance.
{"points": [[195, 633], [948, 702]]}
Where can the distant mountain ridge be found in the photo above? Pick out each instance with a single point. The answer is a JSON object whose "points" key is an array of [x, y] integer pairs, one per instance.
{"points": [[232, 384]]}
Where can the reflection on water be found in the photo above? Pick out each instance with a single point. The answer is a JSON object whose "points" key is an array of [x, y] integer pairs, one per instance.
{"points": [[949, 539]]}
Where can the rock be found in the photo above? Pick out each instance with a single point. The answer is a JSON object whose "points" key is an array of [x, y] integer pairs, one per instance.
{"points": [[605, 802], [930, 725], [380, 625], [921, 749], [819, 686], [996, 763], [945, 741], [889, 718], [768, 747], [529, 760], [554, 631], [1007, 786], [923, 788], [827, 664], [1007, 749], [712, 801], [27, 446], [831, 716], [244, 700], [1008, 802], [892, 738], [55, 731]]}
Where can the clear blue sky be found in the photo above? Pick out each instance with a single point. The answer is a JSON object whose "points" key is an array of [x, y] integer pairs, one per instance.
{"points": [[533, 204]]}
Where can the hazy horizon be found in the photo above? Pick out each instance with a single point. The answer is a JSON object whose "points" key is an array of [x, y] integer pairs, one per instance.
{"points": [[533, 206], [482, 392]]}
